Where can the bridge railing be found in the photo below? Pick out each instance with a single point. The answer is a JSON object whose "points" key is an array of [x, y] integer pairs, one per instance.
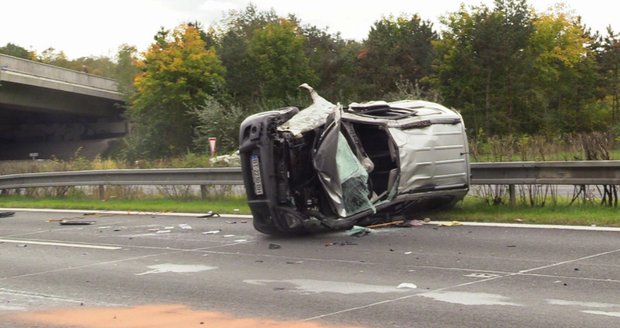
{"points": [[504, 173], [31, 68]]}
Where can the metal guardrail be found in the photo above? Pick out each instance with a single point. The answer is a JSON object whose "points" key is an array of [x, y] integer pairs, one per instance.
{"points": [[504, 173], [191, 176], [547, 173]]}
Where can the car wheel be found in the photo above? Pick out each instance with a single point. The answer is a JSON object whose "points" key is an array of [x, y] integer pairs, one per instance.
{"points": [[267, 229]]}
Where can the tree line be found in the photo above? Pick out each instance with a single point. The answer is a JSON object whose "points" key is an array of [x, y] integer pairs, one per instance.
{"points": [[507, 68]]}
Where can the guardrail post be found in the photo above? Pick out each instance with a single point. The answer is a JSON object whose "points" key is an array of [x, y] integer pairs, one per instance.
{"points": [[101, 192], [203, 192], [513, 196]]}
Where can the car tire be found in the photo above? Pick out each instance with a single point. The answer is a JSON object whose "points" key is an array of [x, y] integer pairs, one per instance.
{"points": [[266, 228]]}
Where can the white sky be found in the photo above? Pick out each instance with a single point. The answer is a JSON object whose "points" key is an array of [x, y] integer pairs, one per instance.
{"points": [[98, 28]]}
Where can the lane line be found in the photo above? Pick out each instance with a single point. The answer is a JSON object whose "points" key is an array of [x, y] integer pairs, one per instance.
{"points": [[114, 261], [245, 216], [519, 273], [46, 243], [536, 226], [567, 262]]}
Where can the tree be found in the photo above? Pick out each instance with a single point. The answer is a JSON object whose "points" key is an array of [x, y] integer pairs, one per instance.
{"points": [[16, 51], [56, 58], [101, 65], [177, 74], [125, 70], [483, 68], [233, 49], [334, 61], [281, 64], [609, 61], [564, 71], [397, 50]]}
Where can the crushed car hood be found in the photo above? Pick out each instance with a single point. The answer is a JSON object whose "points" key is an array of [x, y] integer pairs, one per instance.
{"points": [[311, 117]]}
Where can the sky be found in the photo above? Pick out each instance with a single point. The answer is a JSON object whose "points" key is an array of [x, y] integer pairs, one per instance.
{"points": [[83, 28]]}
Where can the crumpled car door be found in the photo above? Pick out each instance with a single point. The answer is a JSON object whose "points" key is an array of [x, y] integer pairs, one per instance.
{"points": [[342, 175]]}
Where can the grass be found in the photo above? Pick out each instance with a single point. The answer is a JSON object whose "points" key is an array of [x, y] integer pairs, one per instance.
{"points": [[471, 209], [223, 205]]}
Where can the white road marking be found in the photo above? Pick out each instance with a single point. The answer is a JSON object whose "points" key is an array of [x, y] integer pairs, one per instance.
{"points": [[249, 217], [469, 298], [11, 308], [582, 304], [177, 268], [243, 216], [569, 261], [609, 314], [482, 275], [310, 286], [47, 243], [535, 226], [522, 272]]}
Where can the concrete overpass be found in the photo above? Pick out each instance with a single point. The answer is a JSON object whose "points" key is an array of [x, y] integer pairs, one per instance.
{"points": [[54, 112]]}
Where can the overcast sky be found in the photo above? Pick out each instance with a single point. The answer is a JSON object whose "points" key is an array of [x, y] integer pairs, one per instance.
{"points": [[98, 28]]}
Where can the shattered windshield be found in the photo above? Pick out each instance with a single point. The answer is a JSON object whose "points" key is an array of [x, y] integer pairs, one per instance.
{"points": [[341, 173], [353, 177]]}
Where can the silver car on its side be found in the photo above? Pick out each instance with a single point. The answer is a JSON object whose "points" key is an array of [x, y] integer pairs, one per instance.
{"points": [[330, 166]]}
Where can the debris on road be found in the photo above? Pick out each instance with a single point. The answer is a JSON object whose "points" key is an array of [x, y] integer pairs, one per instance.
{"points": [[274, 246], [185, 226], [450, 224], [387, 224], [407, 285], [209, 214], [359, 231], [76, 222], [6, 214], [411, 223], [342, 243]]}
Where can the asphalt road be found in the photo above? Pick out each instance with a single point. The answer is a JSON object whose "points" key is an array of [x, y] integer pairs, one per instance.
{"points": [[183, 271]]}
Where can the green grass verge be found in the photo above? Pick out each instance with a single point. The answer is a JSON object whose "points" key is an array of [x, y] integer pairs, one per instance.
{"points": [[471, 209], [227, 205]]}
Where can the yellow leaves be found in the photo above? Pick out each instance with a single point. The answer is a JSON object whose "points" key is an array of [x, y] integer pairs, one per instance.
{"points": [[559, 38], [177, 62]]}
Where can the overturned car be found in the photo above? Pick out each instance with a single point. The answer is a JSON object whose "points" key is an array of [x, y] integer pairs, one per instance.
{"points": [[331, 167]]}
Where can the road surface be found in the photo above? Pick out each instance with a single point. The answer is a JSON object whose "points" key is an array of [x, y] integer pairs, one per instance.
{"points": [[157, 270]]}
